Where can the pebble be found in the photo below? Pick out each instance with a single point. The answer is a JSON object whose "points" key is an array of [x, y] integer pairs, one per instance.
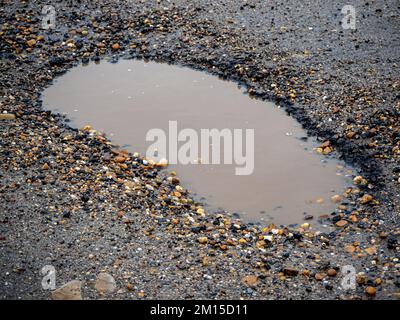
{"points": [[200, 211], [332, 272], [366, 199], [359, 180], [116, 46], [341, 223], [370, 291], [250, 281], [31, 43], [360, 279], [120, 159], [7, 116], [202, 240], [306, 273], [319, 276]]}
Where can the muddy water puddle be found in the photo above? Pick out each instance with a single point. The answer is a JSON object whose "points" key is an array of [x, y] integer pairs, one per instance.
{"points": [[281, 179]]}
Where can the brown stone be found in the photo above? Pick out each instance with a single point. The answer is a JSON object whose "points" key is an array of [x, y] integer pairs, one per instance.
{"points": [[332, 272], [306, 273], [350, 134], [119, 159], [319, 276], [326, 144], [360, 279], [341, 223], [371, 250], [328, 150], [31, 42], [371, 291], [7, 116], [115, 46], [366, 199], [202, 240], [250, 281]]}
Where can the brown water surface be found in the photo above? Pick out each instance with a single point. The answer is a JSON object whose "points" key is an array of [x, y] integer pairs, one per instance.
{"points": [[128, 98]]}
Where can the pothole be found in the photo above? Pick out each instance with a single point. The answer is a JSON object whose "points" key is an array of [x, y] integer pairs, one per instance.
{"points": [[126, 100]]}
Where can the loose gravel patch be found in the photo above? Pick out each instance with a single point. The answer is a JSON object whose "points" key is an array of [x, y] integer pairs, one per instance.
{"points": [[71, 199]]}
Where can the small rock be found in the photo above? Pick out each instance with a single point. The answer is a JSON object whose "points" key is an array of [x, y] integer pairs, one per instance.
{"points": [[250, 281], [69, 291], [7, 116], [319, 276], [341, 223], [115, 46], [200, 211], [105, 283], [332, 272], [326, 144], [119, 159], [382, 235], [350, 134], [371, 250], [371, 291], [173, 180], [366, 199], [360, 279], [202, 240], [306, 273], [31, 42], [359, 180]]}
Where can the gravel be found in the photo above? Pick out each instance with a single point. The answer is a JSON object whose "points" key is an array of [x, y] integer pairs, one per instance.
{"points": [[69, 201]]}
